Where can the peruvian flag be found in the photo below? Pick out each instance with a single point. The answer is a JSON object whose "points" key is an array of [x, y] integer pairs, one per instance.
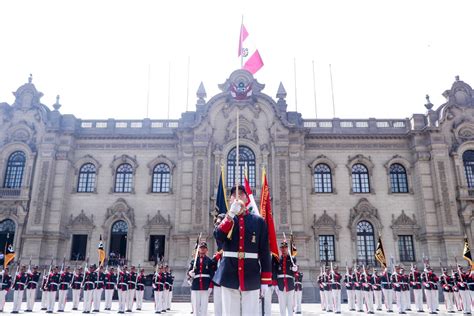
{"points": [[248, 53], [266, 213], [252, 206]]}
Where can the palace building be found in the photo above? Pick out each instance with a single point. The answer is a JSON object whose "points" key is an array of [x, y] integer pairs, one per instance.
{"points": [[148, 187]]}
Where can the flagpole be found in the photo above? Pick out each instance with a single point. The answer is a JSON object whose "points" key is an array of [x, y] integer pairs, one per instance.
{"points": [[237, 158], [187, 85], [148, 92], [314, 92], [296, 94], [240, 44], [332, 93]]}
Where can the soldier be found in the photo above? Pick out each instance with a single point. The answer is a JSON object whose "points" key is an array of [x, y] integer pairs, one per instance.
{"points": [[328, 290], [376, 281], [122, 289], [336, 289], [286, 281], [358, 289], [387, 290], [170, 297], [446, 282], [298, 290], [463, 290], [76, 284], [322, 295], [88, 286], [404, 281], [166, 289], [245, 270], [5, 284], [431, 289], [99, 288], [367, 291], [140, 289], [397, 280], [31, 285], [110, 286], [158, 286], [470, 282], [44, 292], [202, 273], [64, 284], [131, 288], [456, 295], [415, 284], [19, 285], [53, 286], [350, 289]]}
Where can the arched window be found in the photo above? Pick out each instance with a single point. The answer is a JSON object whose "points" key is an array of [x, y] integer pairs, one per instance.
{"points": [[124, 178], [360, 179], [7, 233], [14, 173], [398, 178], [161, 178], [468, 159], [322, 179], [246, 156], [365, 243], [120, 227], [118, 242], [86, 181]]}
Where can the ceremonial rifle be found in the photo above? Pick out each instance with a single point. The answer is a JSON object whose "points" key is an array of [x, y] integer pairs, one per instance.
{"points": [[29, 266], [197, 251], [85, 271], [459, 270], [332, 273], [291, 258]]}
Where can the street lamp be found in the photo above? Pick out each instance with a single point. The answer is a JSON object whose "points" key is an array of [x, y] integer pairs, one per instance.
{"points": [[326, 250]]}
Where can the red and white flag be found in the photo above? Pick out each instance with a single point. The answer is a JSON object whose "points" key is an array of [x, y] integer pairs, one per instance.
{"points": [[248, 52], [252, 205]]}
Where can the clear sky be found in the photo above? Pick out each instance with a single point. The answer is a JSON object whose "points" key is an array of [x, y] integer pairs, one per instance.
{"points": [[385, 55]]}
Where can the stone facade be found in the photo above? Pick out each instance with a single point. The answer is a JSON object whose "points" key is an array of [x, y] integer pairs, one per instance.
{"points": [[436, 211]]}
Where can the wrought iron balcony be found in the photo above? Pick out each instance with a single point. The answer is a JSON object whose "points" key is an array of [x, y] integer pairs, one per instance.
{"points": [[13, 194]]}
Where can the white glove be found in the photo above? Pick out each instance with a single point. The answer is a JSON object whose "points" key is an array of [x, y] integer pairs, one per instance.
{"points": [[263, 289], [294, 268], [234, 209], [192, 273], [209, 290]]}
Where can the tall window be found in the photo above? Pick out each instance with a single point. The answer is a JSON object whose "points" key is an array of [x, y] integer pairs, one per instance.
{"points": [[322, 179], [78, 248], [360, 179], [246, 156], [156, 250], [7, 234], [14, 173], [86, 181], [124, 178], [468, 159], [161, 178], [405, 248], [118, 242], [326, 248], [365, 243], [398, 178]]}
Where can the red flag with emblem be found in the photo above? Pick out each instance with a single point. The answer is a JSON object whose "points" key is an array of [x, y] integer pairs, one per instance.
{"points": [[266, 213]]}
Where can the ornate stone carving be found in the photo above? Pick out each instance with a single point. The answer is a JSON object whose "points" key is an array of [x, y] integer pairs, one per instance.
{"points": [[283, 197], [158, 224], [404, 225], [325, 224], [199, 192], [241, 87], [158, 219], [42, 191], [81, 220], [446, 203], [363, 210], [120, 210]]}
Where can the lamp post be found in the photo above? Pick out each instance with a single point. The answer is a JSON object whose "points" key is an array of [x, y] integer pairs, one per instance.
{"points": [[326, 251]]}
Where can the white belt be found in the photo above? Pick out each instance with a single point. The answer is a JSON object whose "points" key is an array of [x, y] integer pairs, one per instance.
{"points": [[200, 276], [297, 282], [111, 283], [240, 255], [65, 283], [77, 282], [20, 283], [89, 282], [33, 282], [281, 276]]}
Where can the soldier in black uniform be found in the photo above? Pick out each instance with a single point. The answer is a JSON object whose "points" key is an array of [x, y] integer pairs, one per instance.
{"points": [[110, 286], [376, 280], [298, 291], [366, 281], [122, 288], [286, 280], [349, 284], [76, 283], [387, 290], [53, 286], [158, 287], [140, 289], [64, 284], [31, 286], [88, 286], [446, 283], [99, 288], [5, 284], [19, 286], [131, 288]]}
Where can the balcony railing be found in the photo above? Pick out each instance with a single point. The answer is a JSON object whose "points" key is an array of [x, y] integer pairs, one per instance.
{"points": [[13, 194]]}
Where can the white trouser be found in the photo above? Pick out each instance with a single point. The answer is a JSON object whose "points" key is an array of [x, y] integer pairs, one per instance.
{"points": [[336, 299], [322, 296], [388, 299], [123, 299], [159, 300], [131, 296], [407, 299], [218, 300], [418, 294], [329, 301], [139, 298], [62, 300], [44, 299], [97, 298], [201, 298], [17, 300], [3, 293], [430, 300], [448, 301], [285, 300], [165, 298], [351, 299], [359, 300], [400, 301], [51, 300], [170, 297], [87, 304], [466, 301], [378, 300], [76, 298], [457, 300], [298, 298], [239, 303], [109, 294], [369, 301], [30, 299]]}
